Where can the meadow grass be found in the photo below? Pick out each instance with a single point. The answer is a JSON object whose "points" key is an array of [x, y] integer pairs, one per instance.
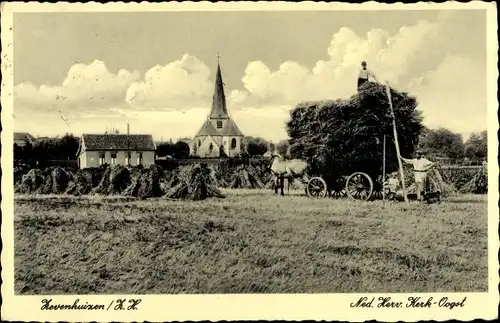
{"points": [[250, 242]]}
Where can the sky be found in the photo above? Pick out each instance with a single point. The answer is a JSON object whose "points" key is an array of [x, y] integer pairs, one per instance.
{"points": [[88, 72]]}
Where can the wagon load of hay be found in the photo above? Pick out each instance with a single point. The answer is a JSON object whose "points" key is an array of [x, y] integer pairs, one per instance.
{"points": [[114, 181], [56, 181], [31, 182], [146, 183], [338, 138], [478, 184], [245, 177], [196, 182]]}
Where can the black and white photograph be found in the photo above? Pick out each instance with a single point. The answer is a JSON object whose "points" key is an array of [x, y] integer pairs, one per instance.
{"points": [[253, 160]]}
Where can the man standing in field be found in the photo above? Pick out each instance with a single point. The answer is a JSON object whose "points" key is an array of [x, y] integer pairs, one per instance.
{"points": [[364, 75], [421, 166]]}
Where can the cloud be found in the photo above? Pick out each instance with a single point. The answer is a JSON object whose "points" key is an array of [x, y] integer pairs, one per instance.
{"points": [[390, 57], [431, 60], [184, 83], [421, 58], [453, 95], [86, 89]]}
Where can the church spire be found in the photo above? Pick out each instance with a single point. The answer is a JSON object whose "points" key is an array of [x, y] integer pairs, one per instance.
{"points": [[219, 109]]}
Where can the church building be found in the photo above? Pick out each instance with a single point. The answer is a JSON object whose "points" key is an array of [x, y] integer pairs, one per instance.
{"points": [[219, 136]]}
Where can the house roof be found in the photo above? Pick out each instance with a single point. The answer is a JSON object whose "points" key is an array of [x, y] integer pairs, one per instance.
{"points": [[118, 142], [219, 109], [24, 136], [231, 129]]}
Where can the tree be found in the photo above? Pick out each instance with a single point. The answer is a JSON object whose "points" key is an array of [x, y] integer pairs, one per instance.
{"points": [[67, 147], [282, 147], [165, 149], [256, 146], [345, 136], [442, 142], [181, 150], [476, 147]]}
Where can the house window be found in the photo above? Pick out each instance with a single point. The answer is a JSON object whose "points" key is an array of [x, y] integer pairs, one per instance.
{"points": [[139, 158], [113, 159], [233, 143], [199, 143], [102, 158], [219, 124], [127, 158], [211, 147]]}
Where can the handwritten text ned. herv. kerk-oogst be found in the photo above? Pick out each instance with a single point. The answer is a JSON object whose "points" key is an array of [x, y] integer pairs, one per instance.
{"points": [[410, 302]]}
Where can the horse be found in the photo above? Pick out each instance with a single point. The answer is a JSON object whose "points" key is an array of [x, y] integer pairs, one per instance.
{"points": [[289, 169]]}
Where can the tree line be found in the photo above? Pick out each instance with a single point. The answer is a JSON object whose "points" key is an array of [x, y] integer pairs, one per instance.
{"points": [[448, 144], [64, 148], [435, 142]]}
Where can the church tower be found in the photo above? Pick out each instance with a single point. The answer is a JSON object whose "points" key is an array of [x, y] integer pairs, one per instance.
{"points": [[219, 136]]}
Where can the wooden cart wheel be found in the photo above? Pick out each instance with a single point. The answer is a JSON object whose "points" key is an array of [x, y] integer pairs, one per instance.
{"points": [[378, 186], [359, 186], [337, 189], [316, 188]]}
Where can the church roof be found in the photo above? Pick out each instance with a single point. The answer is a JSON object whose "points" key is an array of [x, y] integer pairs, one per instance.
{"points": [[207, 130], [219, 109], [230, 129]]}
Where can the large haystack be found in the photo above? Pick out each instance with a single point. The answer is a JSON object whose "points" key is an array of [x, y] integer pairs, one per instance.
{"points": [[478, 184], [245, 177], [196, 182], [269, 184], [84, 181], [31, 182], [346, 136], [114, 181], [146, 183], [56, 181], [223, 175], [19, 172]]}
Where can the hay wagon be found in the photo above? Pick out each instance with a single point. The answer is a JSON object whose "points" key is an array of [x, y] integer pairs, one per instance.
{"points": [[366, 179], [357, 186]]}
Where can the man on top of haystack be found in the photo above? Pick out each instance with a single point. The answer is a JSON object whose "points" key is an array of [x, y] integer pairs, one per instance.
{"points": [[421, 166], [364, 74]]}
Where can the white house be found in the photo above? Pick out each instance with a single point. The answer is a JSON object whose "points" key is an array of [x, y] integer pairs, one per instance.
{"points": [[116, 149], [219, 136]]}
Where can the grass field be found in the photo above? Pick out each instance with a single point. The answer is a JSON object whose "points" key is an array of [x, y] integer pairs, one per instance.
{"points": [[250, 242]]}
